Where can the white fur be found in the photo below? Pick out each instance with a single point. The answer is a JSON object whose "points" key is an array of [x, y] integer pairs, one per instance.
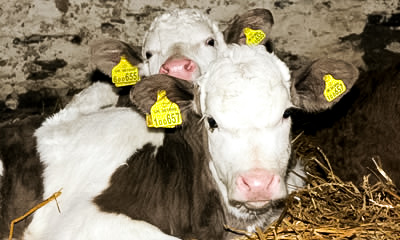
{"points": [[91, 99], [1, 168], [84, 221], [246, 91], [296, 177], [181, 32]]}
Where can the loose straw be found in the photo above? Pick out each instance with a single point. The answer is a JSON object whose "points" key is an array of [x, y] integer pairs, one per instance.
{"points": [[32, 210]]}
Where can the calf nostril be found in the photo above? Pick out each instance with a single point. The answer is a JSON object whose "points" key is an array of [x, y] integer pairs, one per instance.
{"points": [[190, 66], [164, 69], [242, 184]]}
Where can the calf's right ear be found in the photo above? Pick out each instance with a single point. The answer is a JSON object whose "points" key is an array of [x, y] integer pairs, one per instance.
{"points": [[181, 92], [322, 84], [105, 54]]}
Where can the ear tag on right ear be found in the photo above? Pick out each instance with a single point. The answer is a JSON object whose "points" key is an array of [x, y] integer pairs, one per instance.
{"points": [[333, 88], [253, 37], [124, 73], [164, 113]]}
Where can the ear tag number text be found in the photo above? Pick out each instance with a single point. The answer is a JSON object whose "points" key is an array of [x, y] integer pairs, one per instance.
{"points": [[253, 37], [124, 73], [333, 88], [164, 113]]}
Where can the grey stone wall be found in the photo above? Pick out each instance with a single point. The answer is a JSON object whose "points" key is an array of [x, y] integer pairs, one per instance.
{"points": [[44, 43]]}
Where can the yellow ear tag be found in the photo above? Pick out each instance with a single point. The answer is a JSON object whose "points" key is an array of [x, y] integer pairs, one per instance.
{"points": [[164, 113], [333, 88], [125, 74], [253, 37]]}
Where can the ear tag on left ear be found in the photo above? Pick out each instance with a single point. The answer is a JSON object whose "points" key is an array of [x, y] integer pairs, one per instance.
{"points": [[164, 113], [253, 37], [124, 73], [333, 88]]}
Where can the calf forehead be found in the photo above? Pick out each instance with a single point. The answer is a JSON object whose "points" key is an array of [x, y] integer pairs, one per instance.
{"points": [[246, 86], [248, 107], [188, 26], [185, 16], [167, 35]]}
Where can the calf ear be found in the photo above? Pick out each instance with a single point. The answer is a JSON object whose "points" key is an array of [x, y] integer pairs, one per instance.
{"points": [[308, 84], [256, 19], [181, 92], [106, 54]]}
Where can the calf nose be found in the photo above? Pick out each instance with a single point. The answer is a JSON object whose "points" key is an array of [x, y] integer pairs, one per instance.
{"points": [[180, 68], [257, 185]]}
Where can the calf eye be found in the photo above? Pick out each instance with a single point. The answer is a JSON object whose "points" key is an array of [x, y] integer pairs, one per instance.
{"points": [[287, 113], [148, 55], [210, 42], [212, 123]]}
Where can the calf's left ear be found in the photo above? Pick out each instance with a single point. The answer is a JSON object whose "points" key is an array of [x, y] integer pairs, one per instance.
{"points": [[322, 84], [144, 94], [255, 19]]}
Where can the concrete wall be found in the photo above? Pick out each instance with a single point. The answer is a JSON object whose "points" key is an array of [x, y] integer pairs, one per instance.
{"points": [[44, 43]]}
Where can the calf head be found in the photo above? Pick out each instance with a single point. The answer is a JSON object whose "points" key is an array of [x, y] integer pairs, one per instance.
{"points": [[246, 98], [243, 97], [244, 103]]}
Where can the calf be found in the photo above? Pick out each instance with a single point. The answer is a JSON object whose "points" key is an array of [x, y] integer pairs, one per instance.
{"points": [[229, 162]]}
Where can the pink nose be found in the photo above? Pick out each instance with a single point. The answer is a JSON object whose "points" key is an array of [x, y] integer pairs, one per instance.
{"points": [[257, 185], [180, 68]]}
